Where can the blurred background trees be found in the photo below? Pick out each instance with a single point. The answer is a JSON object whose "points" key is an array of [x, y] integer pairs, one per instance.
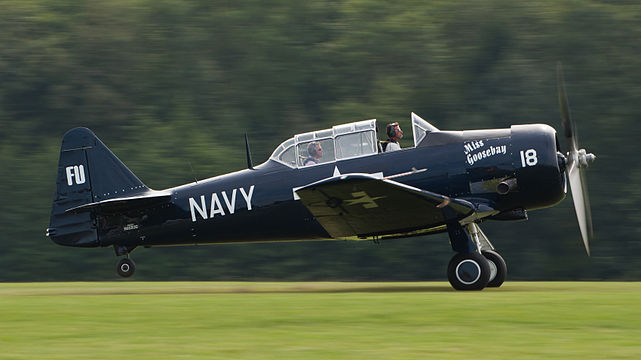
{"points": [[166, 84]]}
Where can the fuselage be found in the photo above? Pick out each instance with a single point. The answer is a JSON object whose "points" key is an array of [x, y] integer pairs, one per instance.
{"points": [[260, 204]]}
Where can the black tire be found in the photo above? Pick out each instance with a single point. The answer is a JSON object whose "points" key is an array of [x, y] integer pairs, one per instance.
{"points": [[468, 271], [496, 261], [125, 267]]}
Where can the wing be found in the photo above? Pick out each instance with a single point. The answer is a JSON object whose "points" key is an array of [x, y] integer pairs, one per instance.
{"points": [[363, 205]]}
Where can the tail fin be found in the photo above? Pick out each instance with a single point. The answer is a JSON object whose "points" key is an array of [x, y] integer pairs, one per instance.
{"points": [[88, 172]]}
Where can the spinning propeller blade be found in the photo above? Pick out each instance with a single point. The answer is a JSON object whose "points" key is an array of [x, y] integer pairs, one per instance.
{"points": [[577, 160]]}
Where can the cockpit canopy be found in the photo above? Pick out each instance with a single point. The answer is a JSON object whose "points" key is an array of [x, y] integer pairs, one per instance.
{"points": [[344, 141], [421, 128]]}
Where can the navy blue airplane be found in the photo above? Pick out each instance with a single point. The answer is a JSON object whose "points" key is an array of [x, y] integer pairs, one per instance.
{"points": [[449, 181]]}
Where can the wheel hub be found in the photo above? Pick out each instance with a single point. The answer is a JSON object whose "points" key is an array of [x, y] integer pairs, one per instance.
{"points": [[493, 269], [468, 272]]}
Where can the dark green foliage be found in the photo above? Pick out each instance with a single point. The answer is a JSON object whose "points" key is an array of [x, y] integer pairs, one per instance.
{"points": [[166, 84]]}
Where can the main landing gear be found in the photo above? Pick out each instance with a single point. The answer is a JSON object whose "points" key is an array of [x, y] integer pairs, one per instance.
{"points": [[476, 265], [125, 267]]}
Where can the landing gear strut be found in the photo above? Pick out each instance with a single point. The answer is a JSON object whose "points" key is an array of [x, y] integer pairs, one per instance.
{"points": [[476, 265], [125, 267]]}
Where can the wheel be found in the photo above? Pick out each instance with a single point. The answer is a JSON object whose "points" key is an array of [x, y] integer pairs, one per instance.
{"points": [[468, 271], [125, 267], [498, 269]]}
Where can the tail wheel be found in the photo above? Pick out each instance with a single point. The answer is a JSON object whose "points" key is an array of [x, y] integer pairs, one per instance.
{"points": [[125, 267], [468, 271], [498, 268]]}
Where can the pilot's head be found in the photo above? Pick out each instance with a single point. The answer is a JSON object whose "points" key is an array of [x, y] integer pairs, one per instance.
{"points": [[394, 131], [315, 150]]}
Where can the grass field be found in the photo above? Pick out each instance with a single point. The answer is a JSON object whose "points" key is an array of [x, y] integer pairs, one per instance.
{"points": [[220, 320]]}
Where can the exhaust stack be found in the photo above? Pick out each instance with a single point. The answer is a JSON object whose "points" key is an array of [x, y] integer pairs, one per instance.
{"points": [[506, 186]]}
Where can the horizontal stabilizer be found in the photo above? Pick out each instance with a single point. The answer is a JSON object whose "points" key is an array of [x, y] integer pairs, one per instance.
{"points": [[115, 205], [364, 205]]}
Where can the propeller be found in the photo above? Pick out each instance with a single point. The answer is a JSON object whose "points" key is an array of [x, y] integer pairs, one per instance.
{"points": [[577, 160]]}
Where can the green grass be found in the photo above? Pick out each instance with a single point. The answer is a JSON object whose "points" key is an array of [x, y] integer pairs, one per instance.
{"points": [[220, 320]]}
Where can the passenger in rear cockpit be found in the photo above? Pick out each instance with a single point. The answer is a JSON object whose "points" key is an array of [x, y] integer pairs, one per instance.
{"points": [[315, 152]]}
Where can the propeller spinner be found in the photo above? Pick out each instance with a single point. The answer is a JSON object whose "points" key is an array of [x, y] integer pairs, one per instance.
{"points": [[577, 160]]}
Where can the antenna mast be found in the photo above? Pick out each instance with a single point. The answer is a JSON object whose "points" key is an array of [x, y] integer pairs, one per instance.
{"points": [[249, 155]]}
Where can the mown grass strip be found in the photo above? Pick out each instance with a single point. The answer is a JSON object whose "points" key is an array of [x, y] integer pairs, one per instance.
{"points": [[318, 320]]}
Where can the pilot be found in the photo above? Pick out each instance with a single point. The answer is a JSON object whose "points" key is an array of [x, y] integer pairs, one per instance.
{"points": [[315, 152], [395, 134]]}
